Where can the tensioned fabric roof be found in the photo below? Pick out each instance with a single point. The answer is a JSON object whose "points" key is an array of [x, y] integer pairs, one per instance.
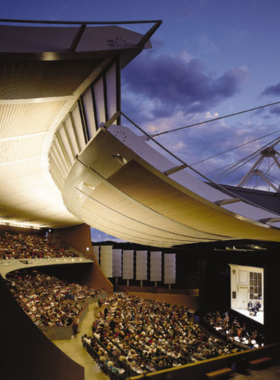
{"points": [[44, 70]]}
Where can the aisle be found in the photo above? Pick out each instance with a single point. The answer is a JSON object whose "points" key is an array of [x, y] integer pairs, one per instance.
{"points": [[74, 349]]}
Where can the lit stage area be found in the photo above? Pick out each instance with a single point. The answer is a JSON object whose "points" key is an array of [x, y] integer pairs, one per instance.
{"points": [[247, 286], [257, 318]]}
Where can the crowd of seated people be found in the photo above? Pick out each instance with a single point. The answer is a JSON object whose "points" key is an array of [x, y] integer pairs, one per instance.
{"points": [[30, 247], [47, 300], [229, 326], [146, 335]]}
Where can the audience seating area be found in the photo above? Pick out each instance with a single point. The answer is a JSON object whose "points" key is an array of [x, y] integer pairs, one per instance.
{"points": [[47, 300], [132, 336], [30, 247]]}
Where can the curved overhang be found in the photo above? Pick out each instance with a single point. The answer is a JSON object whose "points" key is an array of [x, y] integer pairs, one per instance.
{"points": [[8, 266], [44, 71], [120, 185]]}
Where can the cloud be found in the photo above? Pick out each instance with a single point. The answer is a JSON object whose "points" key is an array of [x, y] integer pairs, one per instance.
{"points": [[258, 112], [272, 90], [157, 43], [187, 12], [275, 110], [163, 92], [98, 236], [201, 142], [206, 45], [167, 84]]}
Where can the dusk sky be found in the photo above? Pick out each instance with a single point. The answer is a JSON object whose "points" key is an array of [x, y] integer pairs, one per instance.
{"points": [[209, 59]]}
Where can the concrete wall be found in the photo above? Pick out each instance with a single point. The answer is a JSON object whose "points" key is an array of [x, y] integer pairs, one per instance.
{"points": [[58, 333], [26, 353], [78, 237]]}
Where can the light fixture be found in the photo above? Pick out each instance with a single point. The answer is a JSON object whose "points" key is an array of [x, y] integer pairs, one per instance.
{"points": [[121, 160]]}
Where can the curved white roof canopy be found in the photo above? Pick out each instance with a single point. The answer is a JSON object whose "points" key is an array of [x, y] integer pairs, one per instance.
{"points": [[43, 73], [119, 184]]}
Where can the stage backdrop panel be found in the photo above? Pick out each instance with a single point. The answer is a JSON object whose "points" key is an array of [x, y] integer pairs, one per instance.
{"points": [[117, 262], [128, 265], [170, 268], [141, 265], [106, 258], [155, 266]]}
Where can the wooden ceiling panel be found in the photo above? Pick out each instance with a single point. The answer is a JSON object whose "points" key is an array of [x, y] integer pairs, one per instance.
{"points": [[41, 79], [122, 232], [110, 217], [20, 149], [27, 118], [148, 189], [27, 196], [13, 170], [136, 212], [23, 184]]}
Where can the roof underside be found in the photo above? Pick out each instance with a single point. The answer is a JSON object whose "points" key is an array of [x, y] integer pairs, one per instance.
{"points": [[43, 72]]}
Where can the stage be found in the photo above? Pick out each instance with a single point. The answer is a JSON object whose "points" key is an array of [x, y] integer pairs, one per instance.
{"points": [[257, 318]]}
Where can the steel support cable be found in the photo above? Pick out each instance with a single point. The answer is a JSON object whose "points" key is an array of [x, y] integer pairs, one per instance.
{"points": [[226, 151], [242, 158], [244, 163], [220, 187], [237, 179], [252, 155], [248, 159], [270, 176], [273, 180], [217, 118], [264, 174], [235, 164], [233, 171], [223, 167]]}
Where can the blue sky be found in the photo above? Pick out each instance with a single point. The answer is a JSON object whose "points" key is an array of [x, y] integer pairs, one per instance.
{"points": [[209, 58]]}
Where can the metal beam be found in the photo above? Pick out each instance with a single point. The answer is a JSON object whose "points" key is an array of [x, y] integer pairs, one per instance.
{"points": [[260, 173], [83, 120], [80, 22], [269, 220], [75, 131], [149, 34], [105, 95], [68, 139], [175, 169], [77, 38], [111, 120], [246, 177], [118, 86], [64, 56], [65, 155], [228, 201], [94, 107]]}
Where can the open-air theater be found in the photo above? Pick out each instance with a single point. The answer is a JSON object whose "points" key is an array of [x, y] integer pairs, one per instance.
{"points": [[71, 159]]}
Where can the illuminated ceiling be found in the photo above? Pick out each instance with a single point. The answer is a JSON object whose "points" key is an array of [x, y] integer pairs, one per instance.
{"points": [[65, 158], [44, 70]]}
